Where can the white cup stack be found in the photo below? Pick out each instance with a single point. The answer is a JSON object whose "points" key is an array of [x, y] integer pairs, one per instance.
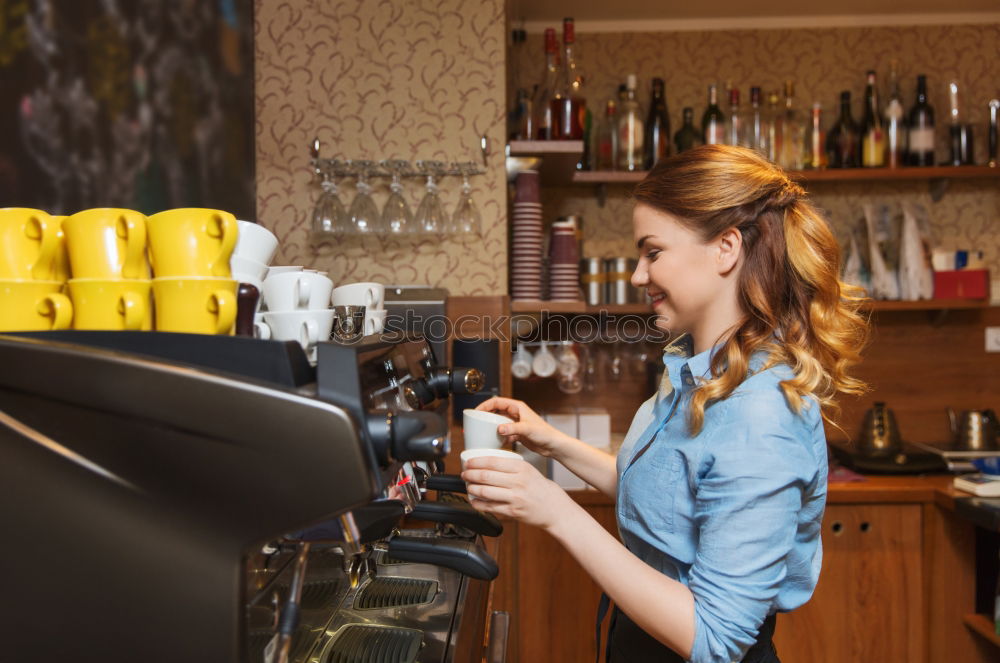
{"points": [[298, 309], [254, 251], [369, 295]]}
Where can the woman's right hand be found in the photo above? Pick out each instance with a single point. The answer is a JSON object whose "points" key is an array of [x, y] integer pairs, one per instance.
{"points": [[528, 428]]}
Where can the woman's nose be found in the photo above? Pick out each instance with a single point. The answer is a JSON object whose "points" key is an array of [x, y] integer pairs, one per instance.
{"points": [[640, 277]]}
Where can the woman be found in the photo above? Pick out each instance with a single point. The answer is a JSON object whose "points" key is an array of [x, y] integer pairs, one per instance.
{"points": [[720, 483]]}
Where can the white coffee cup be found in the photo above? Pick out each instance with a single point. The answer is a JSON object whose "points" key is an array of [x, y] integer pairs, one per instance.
{"points": [[281, 269], [369, 295], [249, 271], [297, 291], [255, 242], [374, 321], [306, 327], [481, 429], [469, 454]]}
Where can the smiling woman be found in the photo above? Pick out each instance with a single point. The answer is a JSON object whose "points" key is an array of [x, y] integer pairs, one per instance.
{"points": [[720, 484]]}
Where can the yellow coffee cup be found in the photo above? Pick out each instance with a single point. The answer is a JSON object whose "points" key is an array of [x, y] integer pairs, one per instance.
{"points": [[191, 242], [34, 306], [62, 271], [195, 305], [122, 305], [29, 241], [107, 243]]}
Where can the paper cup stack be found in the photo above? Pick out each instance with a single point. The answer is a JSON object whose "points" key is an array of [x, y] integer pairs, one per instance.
{"points": [[564, 263], [526, 241]]}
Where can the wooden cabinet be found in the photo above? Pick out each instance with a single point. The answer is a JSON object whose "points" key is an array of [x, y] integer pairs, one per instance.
{"points": [[897, 581]]}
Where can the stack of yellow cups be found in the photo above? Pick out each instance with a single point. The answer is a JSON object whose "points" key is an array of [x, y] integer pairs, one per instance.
{"points": [[110, 285], [193, 286], [33, 271]]}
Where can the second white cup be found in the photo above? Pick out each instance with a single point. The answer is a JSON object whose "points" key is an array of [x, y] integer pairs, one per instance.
{"points": [[297, 291], [255, 242], [369, 295], [481, 429]]}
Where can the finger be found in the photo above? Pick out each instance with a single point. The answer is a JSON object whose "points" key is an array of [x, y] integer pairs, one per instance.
{"points": [[488, 477], [494, 494], [506, 465]]}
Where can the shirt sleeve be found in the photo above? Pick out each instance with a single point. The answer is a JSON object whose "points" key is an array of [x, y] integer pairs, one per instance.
{"points": [[749, 495]]}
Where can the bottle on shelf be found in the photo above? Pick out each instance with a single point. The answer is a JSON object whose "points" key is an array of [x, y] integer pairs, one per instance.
{"points": [[607, 138], [569, 105], [736, 133], [543, 104], [630, 130], [960, 135], [842, 143], [713, 121], [656, 144], [687, 136], [816, 144], [895, 124], [755, 123], [771, 136], [793, 130], [872, 127], [920, 143]]}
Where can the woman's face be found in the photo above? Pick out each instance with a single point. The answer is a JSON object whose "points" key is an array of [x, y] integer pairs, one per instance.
{"points": [[679, 271]]}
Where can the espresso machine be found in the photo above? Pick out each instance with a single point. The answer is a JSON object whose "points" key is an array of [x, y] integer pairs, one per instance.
{"points": [[189, 497]]}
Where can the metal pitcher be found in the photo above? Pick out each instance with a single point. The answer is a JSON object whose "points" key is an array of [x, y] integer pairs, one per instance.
{"points": [[879, 432], [974, 430]]}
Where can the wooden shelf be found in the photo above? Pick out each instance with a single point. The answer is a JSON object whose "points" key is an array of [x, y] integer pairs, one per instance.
{"points": [[827, 175], [983, 626], [582, 308], [557, 159]]}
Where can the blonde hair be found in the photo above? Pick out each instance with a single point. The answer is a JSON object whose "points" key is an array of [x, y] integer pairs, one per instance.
{"points": [[798, 311]]}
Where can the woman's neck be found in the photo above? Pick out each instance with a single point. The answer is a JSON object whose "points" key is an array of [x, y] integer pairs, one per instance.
{"points": [[718, 323]]}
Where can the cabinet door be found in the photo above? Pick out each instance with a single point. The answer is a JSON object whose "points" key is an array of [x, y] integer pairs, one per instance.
{"points": [[868, 605]]}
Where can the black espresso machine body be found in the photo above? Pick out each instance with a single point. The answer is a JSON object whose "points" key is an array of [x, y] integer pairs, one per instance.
{"points": [[159, 495]]}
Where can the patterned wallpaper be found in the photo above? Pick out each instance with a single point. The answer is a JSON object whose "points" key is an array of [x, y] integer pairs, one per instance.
{"points": [[375, 79], [822, 63]]}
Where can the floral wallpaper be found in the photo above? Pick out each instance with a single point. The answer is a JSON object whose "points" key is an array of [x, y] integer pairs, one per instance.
{"points": [[380, 79], [821, 62]]}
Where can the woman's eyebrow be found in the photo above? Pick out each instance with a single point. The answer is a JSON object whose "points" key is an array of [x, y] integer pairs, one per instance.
{"points": [[642, 240]]}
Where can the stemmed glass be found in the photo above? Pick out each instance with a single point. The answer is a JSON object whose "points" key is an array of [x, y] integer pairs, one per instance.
{"points": [[396, 215], [329, 216], [466, 218], [364, 212], [431, 217]]}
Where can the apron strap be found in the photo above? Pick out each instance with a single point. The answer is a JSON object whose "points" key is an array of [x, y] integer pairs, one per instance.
{"points": [[602, 611]]}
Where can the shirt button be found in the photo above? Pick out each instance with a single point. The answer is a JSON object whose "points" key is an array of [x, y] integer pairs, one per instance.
{"points": [[689, 381]]}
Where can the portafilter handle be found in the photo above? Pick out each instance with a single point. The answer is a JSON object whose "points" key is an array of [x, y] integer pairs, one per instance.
{"points": [[457, 380], [466, 557]]}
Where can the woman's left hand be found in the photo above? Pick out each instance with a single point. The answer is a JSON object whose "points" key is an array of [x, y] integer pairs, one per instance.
{"points": [[515, 489]]}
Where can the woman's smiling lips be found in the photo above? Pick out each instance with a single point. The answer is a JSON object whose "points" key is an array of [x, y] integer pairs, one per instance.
{"points": [[656, 297]]}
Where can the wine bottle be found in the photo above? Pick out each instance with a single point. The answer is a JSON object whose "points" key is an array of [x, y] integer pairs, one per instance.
{"points": [[771, 136], [656, 145], [755, 123], [607, 138], [630, 133], [687, 136], [546, 91], [793, 130], [895, 127], [842, 141], [920, 146], [816, 145], [872, 127], [569, 105], [735, 128], [713, 121]]}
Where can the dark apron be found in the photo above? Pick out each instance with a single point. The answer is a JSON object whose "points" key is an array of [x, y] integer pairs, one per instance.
{"points": [[627, 643]]}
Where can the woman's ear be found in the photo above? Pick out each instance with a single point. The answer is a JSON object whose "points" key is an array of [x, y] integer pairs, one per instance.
{"points": [[730, 247]]}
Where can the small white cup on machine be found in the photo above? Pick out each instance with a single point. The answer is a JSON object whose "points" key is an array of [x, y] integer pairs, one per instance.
{"points": [[297, 291], [374, 321], [306, 327], [246, 270], [480, 429], [369, 295], [255, 242]]}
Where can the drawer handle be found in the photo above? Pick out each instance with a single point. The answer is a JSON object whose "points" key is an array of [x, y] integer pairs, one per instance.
{"points": [[865, 527], [837, 527]]}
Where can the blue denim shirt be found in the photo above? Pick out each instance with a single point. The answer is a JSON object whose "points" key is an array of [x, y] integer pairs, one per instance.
{"points": [[734, 512]]}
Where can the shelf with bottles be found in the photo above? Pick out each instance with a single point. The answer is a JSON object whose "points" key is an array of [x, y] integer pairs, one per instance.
{"points": [[582, 308], [555, 160]]}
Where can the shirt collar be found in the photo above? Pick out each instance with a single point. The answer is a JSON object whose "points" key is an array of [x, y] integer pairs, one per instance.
{"points": [[683, 370]]}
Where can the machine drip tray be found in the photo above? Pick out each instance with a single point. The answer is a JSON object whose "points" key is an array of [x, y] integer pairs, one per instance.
{"points": [[301, 644], [388, 592], [358, 643], [320, 594]]}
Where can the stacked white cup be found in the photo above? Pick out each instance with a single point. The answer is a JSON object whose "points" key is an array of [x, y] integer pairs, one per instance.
{"points": [[298, 309], [255, 248], [369, 295]]}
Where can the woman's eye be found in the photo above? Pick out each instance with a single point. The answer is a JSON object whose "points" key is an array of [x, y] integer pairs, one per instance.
{"points": [[651, 255]]}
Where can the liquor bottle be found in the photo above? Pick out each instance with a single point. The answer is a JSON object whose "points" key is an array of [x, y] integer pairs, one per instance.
{"points": [[687, 136], [872, 127], [816, 144], [793, 131], [657, 140], [630, 133], [755, 124], [569, 105], [735, 122], [546, 91], [895, 126], [771, 136], [960, 136], [842, 143], [607, 138], [920, 146], [713, 122]]}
